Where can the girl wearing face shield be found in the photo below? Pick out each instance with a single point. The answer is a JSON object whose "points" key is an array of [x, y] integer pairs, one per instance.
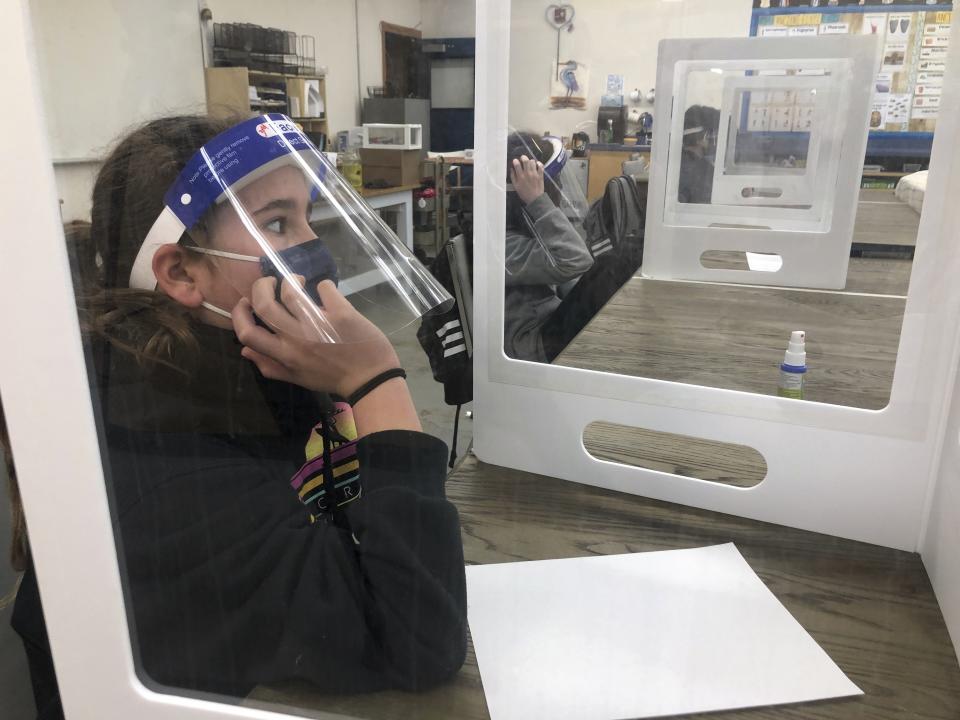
{"points": [[280, 513], [543, 249], [554, 284]]}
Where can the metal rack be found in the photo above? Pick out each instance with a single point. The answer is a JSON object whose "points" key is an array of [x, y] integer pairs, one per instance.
{"points": [[263, 49], [441, 169]]}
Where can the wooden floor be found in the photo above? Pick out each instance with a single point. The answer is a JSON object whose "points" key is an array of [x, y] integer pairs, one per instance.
{"points": [[871, 609]]}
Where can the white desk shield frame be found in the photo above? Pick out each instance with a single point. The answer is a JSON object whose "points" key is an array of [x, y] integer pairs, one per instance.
{"points": [[859, 474], [809, 220], [853, 473], [799, 185], [43, 383]]}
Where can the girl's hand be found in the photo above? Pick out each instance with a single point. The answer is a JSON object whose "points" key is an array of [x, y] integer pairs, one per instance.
{"points": [[527, 178], [293, 352]]}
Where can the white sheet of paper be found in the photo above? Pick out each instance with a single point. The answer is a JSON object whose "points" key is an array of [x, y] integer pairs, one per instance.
{"points": [[637, 636]]}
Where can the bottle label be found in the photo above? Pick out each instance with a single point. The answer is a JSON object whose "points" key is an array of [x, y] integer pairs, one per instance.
{"points": [[791, 385], [796, 394]]}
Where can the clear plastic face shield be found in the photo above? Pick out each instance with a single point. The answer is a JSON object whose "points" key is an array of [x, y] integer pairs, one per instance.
{"points": [[260, 200], [560, 185]]}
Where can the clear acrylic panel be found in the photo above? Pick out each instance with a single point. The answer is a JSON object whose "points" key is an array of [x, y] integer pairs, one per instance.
{"points": [[282, 531], [765, 168], [269, 561], [757, 152], [756, 144]]}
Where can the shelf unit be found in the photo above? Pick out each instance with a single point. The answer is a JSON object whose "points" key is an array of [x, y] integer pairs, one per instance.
{"points": [[439, 170], [228, 94]]}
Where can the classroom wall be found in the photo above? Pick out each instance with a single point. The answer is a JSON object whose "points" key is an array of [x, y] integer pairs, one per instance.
{"points": [[610, 37], [941, 546], [102, 68], [449, 18], [74, 47], [105, 65], [75, 188]]}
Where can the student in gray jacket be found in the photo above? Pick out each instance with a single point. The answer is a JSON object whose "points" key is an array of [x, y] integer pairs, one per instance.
{"points": [[543, 249]]}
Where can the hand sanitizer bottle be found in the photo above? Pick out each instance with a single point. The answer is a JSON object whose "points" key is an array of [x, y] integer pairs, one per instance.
{"points": [[794, 367]]}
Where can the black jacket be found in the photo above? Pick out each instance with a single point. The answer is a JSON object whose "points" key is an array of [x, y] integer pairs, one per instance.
{"points": [[695, 183], [230, 583]]}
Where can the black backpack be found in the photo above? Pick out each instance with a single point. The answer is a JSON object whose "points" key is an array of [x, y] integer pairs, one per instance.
{"points": [[447, 338], [615, 222]]}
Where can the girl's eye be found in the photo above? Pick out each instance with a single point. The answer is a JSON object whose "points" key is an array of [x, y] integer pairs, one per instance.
{"points": [[277, 226]]}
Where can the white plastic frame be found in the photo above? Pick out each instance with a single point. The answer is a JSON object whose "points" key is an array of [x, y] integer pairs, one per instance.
{"points": [[799, 185], [411, 136], [855, 473], [813, 242], [843, 471], [43, 383]]}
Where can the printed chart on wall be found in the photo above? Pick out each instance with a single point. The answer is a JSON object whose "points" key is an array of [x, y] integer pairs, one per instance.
{"points": [[914, 47]]}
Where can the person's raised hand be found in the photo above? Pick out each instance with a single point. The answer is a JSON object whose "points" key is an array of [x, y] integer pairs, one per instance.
{"points": [[299, 350], [526, 175]]}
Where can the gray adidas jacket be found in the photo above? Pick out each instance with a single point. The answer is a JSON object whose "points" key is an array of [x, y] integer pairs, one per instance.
{"points": [[534, 267]]}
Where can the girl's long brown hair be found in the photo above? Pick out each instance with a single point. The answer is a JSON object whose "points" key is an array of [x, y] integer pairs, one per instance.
{"points": [[127, 198]]}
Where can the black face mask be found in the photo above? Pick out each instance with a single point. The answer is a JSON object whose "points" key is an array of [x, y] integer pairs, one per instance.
{"points": [[311, 259]]}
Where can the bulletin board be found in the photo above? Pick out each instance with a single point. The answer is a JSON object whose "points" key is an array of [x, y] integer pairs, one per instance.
{"points": [[915, 37]]}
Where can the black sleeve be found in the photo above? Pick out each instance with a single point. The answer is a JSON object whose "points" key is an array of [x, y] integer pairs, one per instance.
{"points": [[233, 586], [411, 556]]}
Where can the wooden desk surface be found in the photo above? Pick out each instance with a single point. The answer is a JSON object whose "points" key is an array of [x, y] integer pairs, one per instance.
{"points": [[733, 337], [871, 609], [883, 219]]}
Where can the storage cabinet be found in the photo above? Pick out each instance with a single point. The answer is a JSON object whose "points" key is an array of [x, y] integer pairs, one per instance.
{"points": [[229, 94]]}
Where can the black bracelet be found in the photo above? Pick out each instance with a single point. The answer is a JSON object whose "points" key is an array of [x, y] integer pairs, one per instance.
{"points": [[376, 382]]}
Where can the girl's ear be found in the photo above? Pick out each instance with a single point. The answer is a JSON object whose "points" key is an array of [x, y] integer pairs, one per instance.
{"points": [[176, 276]]}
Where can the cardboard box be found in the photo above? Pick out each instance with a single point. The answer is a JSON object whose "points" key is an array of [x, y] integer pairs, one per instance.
{"points": [[395, 167]]}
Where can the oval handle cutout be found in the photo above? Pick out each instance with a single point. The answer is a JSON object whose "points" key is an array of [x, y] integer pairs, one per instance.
{"points": [[682, 455], [738, 226], [761, 192], [740, 260]]}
